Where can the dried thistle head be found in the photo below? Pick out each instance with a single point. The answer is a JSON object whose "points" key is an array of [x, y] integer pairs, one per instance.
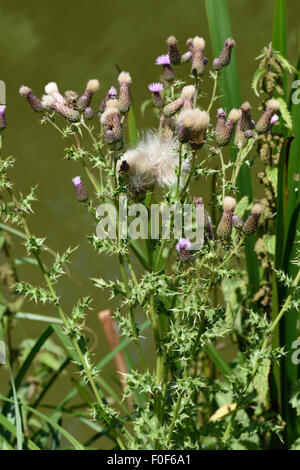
{"points": [[173, 50], [124, 94], [251, 224], [198, 59], [225, 226], [34, 101]]}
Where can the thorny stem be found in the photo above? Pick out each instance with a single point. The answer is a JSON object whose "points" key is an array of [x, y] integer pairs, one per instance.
{"points": [[264, 346], [241, 157], [65, 322], [226, 259], [213, 98]]}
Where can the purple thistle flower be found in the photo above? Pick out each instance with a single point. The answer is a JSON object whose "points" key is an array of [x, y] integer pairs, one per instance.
{"points": [[274, 119], [80, 190], [77, 181], [155, 87], [112, 92], [183, 248], [163, 60], [2, 117]]}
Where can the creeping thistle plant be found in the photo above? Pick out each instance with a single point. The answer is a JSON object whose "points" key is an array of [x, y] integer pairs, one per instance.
{"points": [[194, 299]]}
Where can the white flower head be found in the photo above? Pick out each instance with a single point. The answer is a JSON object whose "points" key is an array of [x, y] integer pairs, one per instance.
{"points": [[152, 162]]}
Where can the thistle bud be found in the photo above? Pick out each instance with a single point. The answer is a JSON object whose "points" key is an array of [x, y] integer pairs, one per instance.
{"points": [[85, 99], [225, 226], [224, 129], [245, 123], [67, 112], [199, 128], [80, 190], [164, 60], [156, 88], [88, 113], [33, 100], [2, 117], [111, 94], [173, 51], [224, 58], [124, 95], [198, 59], [184, 126], [111, 122], [187, 56], [183, 249], [52, 90], [187, 94], [172, 108], [250, 226], [71, 98], [237, 221], [264, 122]]}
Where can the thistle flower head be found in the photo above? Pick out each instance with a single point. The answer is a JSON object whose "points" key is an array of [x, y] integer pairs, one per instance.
{"points": [[173, 51], [155, 87], [25, 90], [163, 60], [229, 204], [264, 123], [237, 221], [234, 115], [183, 248], [201, 119], [198, 43], [71, 97], [273, 104], [88, 113], [152, 162], [33, 100], [77, 181], [183, 243], [2, 117], [112, 92], [124, 95], [80, 190], [257, 210], [52, 90], [274, 119], [48, 101], [187, 94], [124, 78], [111, 122], [198, 59], [93, 85], [225, 226], [224, 129], [250, 226], [224, 58]]}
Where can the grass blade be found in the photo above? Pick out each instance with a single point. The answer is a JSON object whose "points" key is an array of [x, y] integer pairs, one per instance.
{"points": [[280, 33]]}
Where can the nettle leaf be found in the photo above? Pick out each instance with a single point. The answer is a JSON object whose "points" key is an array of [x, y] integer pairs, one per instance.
{"points": [[260, 382], [242, 206], [272, 174], [286, 115], [295, 398], [256, 79], [269, 242]]}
